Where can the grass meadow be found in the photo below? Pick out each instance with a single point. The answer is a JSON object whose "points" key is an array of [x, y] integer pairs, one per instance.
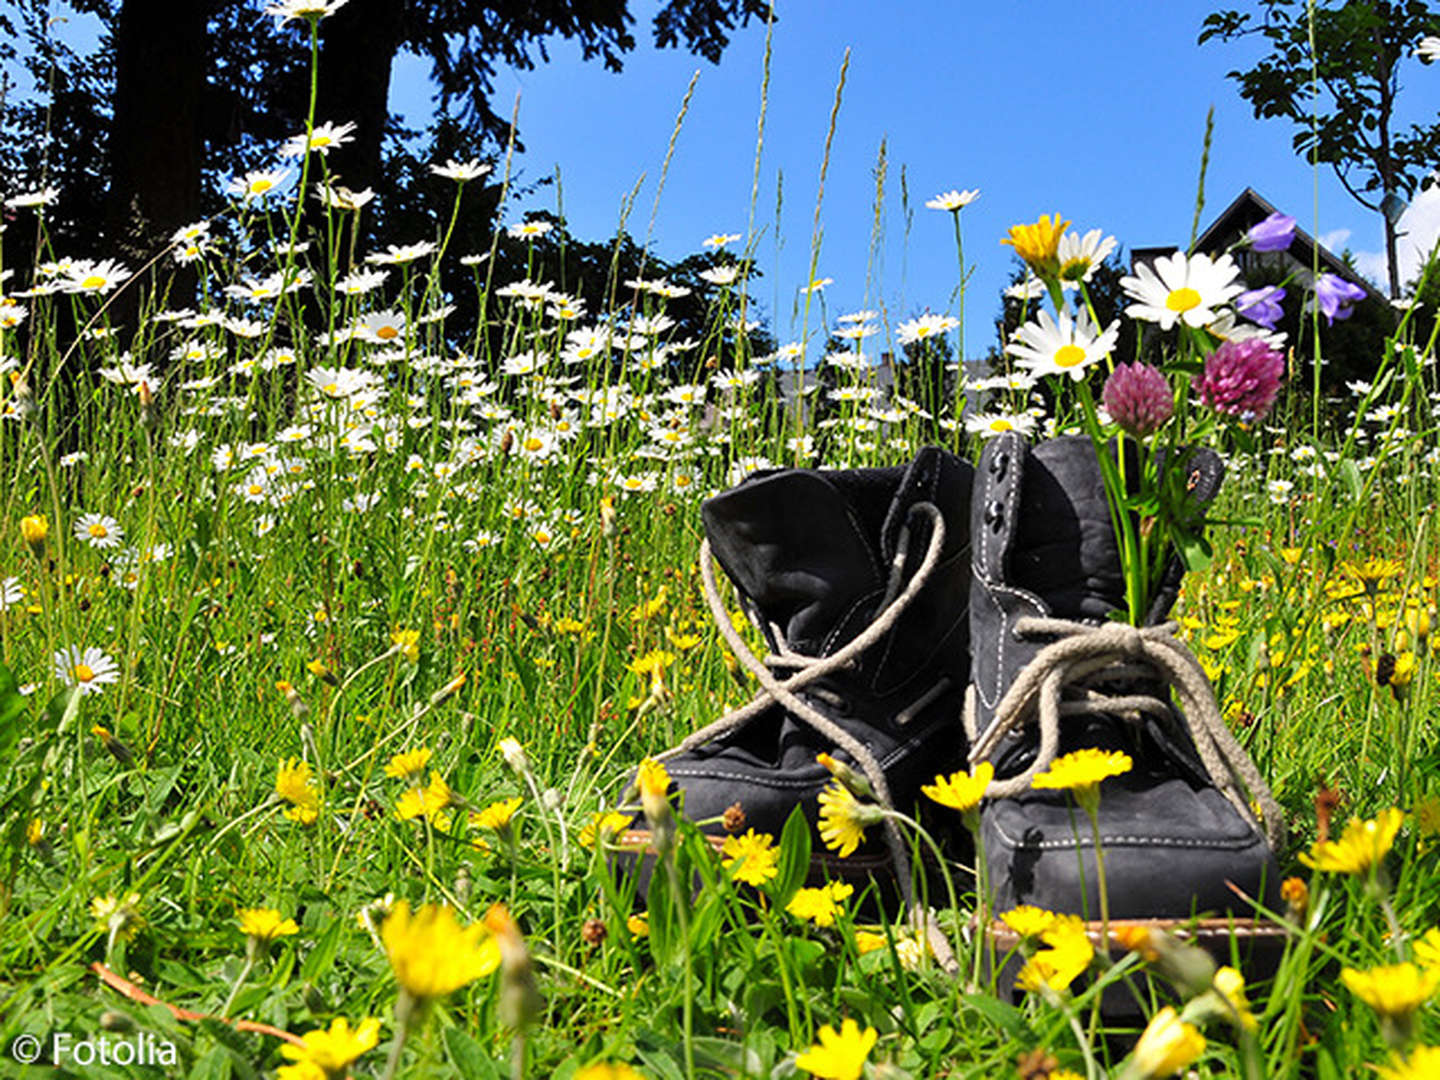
{"points": [[319, 609]]}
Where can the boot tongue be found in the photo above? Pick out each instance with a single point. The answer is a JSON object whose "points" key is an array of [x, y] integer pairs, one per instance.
{"points": [[796, 545], [1064, 549]]}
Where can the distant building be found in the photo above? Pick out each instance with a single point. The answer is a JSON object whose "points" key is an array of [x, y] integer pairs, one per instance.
{"points": [[1248, 210]]}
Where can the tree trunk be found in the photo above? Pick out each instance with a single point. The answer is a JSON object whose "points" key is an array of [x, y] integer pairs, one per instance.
{"points": [[155, 140], [357, 47]]}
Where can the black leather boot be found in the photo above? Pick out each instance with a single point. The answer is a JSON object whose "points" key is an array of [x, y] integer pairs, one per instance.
{"points": [[858, 579], [1052, 674]]}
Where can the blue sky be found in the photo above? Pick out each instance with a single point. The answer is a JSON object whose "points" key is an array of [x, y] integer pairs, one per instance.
{"points": [[1093, 110]]}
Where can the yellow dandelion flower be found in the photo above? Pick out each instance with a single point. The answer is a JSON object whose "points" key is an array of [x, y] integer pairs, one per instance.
{"points": [[638, 925], [1361, 846], [1083, 768], [1422, 1063], [653, 663], [497, 815], [961, 790], [426, 802], [1039, 244], [407, 643], [1296, 894], [265, 924], [606, 1070], [332, 1051], [1166, 1046], [1068, 956], [1395, 990], [752, 858], [409, 765], [867, 941], [844, 818], [603, 825], [432, 954], [820, 905], [653, 780], [119, 916], [1028, 921], [839, 1055], [321, 671], [295, 783], [1229, 984]]}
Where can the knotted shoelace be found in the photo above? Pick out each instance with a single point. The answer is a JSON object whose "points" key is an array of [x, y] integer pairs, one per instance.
{"points": [[807, 669], [1061, 680]]}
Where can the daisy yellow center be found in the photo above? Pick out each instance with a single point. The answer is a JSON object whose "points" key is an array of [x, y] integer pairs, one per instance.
{"points": [[83, 672], [98, 531], [386, 333], [259, 187], [682, 481], [256, 489], [94, 281], [1183, 299], [542, 537], [1067, 356], [332, 388], [532, 444], [922, 331], [1005, 425], [321, 140]]}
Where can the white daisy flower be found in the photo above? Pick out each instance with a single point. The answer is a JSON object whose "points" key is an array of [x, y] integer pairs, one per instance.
{"points": [[1080, 255], [988, 425], [285, 10], [99, 531], [1064, 348], [953, 200], [11, 593], [460, 171], [323, 139], [721, 275], [528, 230], [926, 326], [88, 670], [257, 184], [394, 255], [1179, 287]]}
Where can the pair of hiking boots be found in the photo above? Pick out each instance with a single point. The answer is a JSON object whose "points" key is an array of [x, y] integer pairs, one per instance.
{"points": [[926, 618]]}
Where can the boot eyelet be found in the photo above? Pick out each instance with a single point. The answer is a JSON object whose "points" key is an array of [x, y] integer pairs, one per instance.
{"points": [[995, 516], [998, 465]]}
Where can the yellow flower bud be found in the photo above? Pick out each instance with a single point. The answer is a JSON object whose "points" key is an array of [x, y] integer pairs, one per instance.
{"points": [[35, 529]]}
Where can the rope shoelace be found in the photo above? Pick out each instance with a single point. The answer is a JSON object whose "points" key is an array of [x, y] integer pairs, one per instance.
{"points": [[1084, 656], [807, 669]]}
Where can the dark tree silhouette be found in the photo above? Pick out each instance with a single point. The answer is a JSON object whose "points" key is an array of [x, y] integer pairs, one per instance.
{"points": [[202, 89]]}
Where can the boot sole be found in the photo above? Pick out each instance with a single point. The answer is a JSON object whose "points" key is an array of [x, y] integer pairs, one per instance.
{"points": [[1255, 944]]}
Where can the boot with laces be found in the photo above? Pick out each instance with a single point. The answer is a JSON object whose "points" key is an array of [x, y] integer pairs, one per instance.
{"points": [[858, 580], [1192, 821]]}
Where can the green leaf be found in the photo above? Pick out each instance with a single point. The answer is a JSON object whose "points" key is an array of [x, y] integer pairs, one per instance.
{"points": [[725, 1057], [1195, 550], [660, 907], [322, 957], [1350, 473], [468, 1056], [12, 712], [794, 861], [1003, 1015]]}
